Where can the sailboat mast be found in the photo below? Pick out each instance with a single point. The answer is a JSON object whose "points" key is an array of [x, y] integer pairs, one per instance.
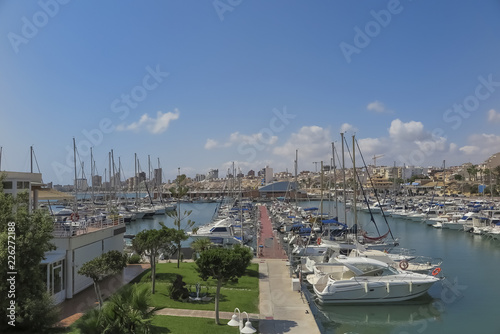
{"points": [[335, 181], [136, 180], [343, 169], [355, 193], [92, 173], [31, 159], [321, 182], [296, 183], [76, 183]]}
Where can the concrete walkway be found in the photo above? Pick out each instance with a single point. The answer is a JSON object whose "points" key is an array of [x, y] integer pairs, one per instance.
{"points": [[72, 309], [282, 310]]}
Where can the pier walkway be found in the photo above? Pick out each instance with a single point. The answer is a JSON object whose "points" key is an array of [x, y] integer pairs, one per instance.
{"points": [[282, 310], [268, 243]]}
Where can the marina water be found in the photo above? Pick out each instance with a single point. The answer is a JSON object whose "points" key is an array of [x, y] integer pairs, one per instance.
{"points": [[466, 301]]}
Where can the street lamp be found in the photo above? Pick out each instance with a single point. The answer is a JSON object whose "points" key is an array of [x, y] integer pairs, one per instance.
{"points": [[237, 321]]}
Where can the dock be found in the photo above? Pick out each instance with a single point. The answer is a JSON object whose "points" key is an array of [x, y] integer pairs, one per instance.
{"points": [[282, 310]]}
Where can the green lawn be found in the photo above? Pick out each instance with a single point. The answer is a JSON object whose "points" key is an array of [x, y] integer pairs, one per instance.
{"points": [[184, 325], [244, 294], [179, 325]]}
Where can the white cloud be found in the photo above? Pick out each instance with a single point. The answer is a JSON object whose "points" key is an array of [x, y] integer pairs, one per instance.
{"points": [[481, 146], [210, 144], [372, 146], [313, 143], [152, 125], [346, 127], [376, 106], [469, 150], [259, 139], [493, 116], [408, 132]]}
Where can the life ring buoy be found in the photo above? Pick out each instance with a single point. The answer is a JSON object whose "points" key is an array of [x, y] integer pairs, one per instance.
{"points": [[436, 271], [75, 217], [403, 264], [318, 241]]}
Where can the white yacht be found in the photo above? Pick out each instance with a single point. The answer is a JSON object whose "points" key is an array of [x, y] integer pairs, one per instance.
{"points": [[365, 280]]}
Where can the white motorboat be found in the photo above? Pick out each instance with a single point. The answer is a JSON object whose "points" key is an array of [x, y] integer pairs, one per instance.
{"points": [[222, 229], [365, 280]]}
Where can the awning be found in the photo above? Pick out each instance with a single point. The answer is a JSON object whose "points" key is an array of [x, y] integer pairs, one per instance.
{"points": [[52, 257]]}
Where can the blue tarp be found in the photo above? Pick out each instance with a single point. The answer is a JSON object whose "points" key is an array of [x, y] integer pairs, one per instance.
{"points": [[305, 230], [333, 221], [310, 209]]}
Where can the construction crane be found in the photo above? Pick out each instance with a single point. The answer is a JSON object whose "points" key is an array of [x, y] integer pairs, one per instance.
{"points": [[375, 157]]}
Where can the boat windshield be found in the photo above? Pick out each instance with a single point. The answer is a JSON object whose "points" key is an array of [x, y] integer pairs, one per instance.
{"points": [[373, 269]]}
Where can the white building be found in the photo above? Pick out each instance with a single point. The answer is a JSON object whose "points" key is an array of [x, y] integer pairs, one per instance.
{"points": [[82, 185], [213, 174], [77, 242], [268, 175], [16, 182]]}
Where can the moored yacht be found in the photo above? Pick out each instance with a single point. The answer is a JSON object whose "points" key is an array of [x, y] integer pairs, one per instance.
{"points": [[365, 280]]}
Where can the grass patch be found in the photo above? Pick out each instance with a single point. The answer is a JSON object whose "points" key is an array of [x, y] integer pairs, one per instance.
{"points": [[243, 294]]}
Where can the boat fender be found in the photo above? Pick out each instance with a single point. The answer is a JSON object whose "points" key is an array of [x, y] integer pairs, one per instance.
{"points": [[387, 287], [318, 241], [411, 287], [366, 287], [403, 264], [436, 271]]}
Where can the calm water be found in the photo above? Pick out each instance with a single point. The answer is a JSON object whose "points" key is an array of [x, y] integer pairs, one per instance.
{"points": [[467, 301], [201, 214]]}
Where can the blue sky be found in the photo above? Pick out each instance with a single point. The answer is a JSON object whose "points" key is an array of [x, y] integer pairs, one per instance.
{"points": [[200, 84]]}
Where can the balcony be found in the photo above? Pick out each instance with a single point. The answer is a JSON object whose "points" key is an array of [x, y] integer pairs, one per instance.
{"points": [[85, 226]]}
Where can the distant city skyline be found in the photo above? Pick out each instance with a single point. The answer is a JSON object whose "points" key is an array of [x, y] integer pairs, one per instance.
{"points": [[200, 86]]}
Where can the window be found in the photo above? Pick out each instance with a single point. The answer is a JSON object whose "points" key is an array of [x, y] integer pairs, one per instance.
{"points": [[23, 185], [7, 184]]}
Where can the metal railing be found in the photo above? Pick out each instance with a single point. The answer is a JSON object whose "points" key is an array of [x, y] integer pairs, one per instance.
{"points": [[65, 229]]}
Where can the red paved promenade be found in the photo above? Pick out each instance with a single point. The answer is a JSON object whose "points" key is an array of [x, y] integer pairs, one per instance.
{"points": [[268, 243]]}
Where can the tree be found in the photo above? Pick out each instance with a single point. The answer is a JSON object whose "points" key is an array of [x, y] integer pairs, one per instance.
{"points": [[151, 243], [223, 264], [472, 171], [201, 244], [24, 238], [127, 311], [497, 173], [178, 192], [107, 264], [458, 177]]}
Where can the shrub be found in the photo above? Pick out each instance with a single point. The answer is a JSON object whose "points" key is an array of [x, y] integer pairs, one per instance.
{"points": [[134, 259]]}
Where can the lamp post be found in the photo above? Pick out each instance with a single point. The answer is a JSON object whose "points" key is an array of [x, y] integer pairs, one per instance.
{"points": [[236, 320]]}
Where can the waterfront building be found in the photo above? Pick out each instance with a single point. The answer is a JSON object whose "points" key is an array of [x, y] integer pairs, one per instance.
{"points": [[82, 185], [76, 241], [96, 181]]}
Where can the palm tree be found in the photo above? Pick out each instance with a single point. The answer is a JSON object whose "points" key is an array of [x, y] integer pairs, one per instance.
{"points": [[200, 245], [497, 173], [127, 311]]}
